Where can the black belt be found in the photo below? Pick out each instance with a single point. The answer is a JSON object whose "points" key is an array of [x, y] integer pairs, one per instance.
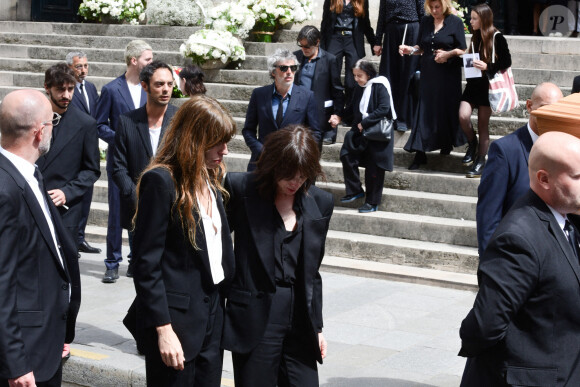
{"points": [[343, 32]]}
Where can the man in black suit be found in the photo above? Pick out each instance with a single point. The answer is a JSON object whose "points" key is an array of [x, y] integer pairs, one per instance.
{"points": [[507, 178], [278, 105], [71, 167], [138, 136], [39, 280], [524, 328], [85, 98], [319, 72]]}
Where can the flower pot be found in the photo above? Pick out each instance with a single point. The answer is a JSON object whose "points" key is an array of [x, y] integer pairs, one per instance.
{"points": [[287, 26], [263, 36], [108, 19], [214, 64]]}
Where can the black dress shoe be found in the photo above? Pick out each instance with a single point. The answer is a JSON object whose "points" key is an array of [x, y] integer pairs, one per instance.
{"points": [[111, 276], [446, 151], [367, 207], [84, 247], [420, 158], [477, 168], [352, 198], [328, 140], [130, 270], [471, 153]]}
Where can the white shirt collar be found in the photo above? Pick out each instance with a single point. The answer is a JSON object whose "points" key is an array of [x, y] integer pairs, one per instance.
{"points": [[533, 135]]}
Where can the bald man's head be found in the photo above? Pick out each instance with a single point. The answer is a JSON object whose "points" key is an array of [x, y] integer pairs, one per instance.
{"points": [[544, 94], [554, 168], [21, 111]]}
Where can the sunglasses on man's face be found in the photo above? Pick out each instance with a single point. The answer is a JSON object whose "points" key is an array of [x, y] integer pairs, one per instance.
{"points": [[285, 68]]}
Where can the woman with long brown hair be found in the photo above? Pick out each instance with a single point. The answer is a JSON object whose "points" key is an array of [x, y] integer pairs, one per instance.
{"points": [[273, 323], [476, 93], [344, 25], [183, 250]]}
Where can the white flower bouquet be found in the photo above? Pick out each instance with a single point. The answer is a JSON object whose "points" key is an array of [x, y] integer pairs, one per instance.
{"points": [[177, 13], [236, 18], [132, 11], [211, 45]]}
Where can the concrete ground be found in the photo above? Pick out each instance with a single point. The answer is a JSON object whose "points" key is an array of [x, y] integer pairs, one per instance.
{"points": [[379, 333]]}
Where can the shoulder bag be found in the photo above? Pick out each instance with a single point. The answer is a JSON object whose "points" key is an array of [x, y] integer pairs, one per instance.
{"points": [[381, 131], [502, 89]]}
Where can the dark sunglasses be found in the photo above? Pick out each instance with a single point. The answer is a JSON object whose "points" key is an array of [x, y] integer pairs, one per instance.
{"points": [[285, 68], [307, 46]]}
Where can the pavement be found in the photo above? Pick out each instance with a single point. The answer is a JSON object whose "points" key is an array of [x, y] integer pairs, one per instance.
{"points": [[380, 332]]}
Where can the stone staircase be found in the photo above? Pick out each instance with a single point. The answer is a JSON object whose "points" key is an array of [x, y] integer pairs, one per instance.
{"points": [[425, 229]]}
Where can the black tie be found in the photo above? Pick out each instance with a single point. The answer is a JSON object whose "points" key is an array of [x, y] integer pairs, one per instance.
{"points": [[571, 230], [40, 179], [280, 112], [81, 87]]}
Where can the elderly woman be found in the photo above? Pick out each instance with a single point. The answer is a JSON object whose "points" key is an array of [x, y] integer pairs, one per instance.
{"points": [[279, 104], [273, 322], [182, 250], [441, 42], [191, 81], [319, 72]]}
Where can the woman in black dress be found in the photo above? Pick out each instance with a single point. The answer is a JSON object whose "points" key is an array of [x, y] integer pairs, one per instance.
{"points": [[344, 25], [476, 93], [375, 156], [399, 19], [441, 42]]}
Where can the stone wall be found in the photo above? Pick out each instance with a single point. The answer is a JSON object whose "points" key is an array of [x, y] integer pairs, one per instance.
{"points": [[15, 10]]}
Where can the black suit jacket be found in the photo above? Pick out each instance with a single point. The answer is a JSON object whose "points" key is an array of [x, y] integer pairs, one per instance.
{"points": [[524, 328], [260, 120], [80, 102], [132, 155], [250, 297], [36, 317], [504, 180], [73, 162], [172, 279], [326, 84], [362, 28]]}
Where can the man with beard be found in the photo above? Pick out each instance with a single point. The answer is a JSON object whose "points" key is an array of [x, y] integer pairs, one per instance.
{"points": [[280, 104], [71, 167], [139, 135], [119, 96], [39, 279]]}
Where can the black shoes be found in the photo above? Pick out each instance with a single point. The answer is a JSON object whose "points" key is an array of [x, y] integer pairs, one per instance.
{"points": [[477, 168], [352, 198], [471, 153], [367, 208], [130, 270], [111, 276], [328, 140], [420, 158], [84, 247], [446, 151]]}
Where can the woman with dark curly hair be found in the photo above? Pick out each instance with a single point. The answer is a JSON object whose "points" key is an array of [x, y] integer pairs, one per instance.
{"points": [[192, 81]]}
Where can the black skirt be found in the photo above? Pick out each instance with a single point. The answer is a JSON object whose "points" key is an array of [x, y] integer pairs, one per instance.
{"points": [[477, 91]]}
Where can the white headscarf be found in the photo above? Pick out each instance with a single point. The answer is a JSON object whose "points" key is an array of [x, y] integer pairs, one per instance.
{"points": [[364, 102]]}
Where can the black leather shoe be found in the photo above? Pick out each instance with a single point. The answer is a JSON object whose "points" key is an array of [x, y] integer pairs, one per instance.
{"points": [[84, 247], [352, 198], [446, 151], [420, 158], [328, 140], [471, 153], [367, 208], [111, 276], [477, 168], [130, 270]]}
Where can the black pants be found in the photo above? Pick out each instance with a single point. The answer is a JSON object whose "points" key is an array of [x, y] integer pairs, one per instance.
{"points": [[374, 178], [284, 356], [87, 199], [205, 370], [342, 46], [55, 381]]}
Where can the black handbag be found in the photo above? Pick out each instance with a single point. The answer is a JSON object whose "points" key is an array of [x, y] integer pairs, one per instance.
{"points": [[382, 131]]}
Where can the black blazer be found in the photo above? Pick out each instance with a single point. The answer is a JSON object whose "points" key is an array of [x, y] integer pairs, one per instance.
{"points": [[362, 28], [524, 328], [36, 317], [81, 103], [253, 286], [172, 279], [260, 120], [132, 155], [326, 84], [73, 162]]}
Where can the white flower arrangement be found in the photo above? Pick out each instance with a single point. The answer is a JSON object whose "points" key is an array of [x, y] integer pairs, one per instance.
{"points": [[177, 13], [205, 45], [281, 11], [236, 18], [132, 11]]}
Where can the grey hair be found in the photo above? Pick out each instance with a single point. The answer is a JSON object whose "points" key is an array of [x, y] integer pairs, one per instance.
{"points": [[134, 50], [73, 54], [280, 55]]}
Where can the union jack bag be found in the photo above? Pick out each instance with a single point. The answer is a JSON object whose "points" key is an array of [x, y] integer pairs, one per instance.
{"points": [[502, 89]]}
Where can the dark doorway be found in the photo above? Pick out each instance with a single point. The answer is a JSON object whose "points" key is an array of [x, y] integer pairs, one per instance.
{"points": [[55, 10]]}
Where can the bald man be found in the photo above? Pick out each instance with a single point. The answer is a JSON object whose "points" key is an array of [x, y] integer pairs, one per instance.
{"points": [[524, 328], [505, 177], [39, 273]]}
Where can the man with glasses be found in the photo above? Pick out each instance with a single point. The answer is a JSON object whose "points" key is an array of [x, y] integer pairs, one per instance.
{"points": [[85, 98], [39, 280], [280, 104], [71, 167]]}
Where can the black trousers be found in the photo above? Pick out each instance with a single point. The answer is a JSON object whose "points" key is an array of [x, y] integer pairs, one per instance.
{"points": [[374, 178], [55, 381], [342, 46], [87, 199], [284, 356], [205, 370]]}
